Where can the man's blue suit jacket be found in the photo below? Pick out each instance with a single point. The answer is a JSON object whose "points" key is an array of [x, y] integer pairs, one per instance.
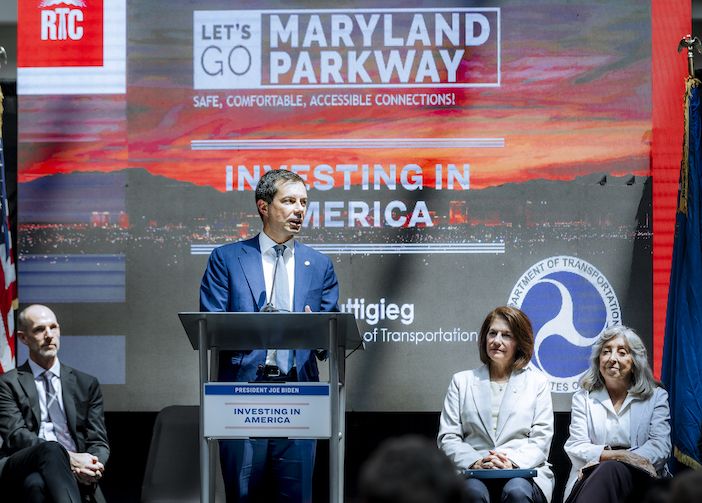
{"points": [[233, 282]]}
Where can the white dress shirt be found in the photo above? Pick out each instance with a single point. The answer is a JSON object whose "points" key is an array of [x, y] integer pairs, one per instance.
{"points": [[268, 257], [46, 428], [617, 424], [268, 261]]}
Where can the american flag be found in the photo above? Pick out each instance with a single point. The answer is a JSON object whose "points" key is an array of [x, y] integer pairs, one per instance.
{"points": [[8, 283]]}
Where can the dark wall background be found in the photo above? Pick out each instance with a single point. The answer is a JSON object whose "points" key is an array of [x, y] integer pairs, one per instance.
{"points": [[130, 437]]}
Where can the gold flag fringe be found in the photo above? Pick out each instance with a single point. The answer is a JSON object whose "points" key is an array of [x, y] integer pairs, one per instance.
{"points": [[690, 82], [686, 460]]}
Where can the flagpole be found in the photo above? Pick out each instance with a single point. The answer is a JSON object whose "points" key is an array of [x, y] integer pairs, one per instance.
{"points": [[690, 43]]}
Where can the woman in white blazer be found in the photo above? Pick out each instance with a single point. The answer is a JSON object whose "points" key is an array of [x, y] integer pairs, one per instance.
{"points": [[619, 431], [500, 416]]}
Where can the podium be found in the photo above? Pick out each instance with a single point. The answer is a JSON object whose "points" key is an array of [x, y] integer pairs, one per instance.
{"points": [[333, 332]]}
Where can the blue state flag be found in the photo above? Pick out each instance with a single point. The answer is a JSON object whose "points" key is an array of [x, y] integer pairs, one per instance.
{"points": [[682, 350]]}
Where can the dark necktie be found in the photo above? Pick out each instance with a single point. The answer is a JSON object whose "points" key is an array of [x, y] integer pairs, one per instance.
{"points": [[56, 414]]}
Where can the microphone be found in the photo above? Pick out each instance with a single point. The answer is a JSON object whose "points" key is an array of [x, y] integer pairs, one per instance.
{"points": [[269, 307]]}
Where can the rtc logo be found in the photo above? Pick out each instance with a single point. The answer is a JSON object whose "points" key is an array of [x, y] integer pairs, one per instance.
{"points": [[569, 302], [56, 33]]}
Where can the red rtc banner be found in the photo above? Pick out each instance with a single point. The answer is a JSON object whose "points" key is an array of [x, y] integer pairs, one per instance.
{"points": [[55, 33]]}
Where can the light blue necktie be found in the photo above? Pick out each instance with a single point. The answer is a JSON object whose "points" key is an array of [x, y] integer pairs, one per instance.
{"points": [[281, 288], [281, 301], [56, 414]]}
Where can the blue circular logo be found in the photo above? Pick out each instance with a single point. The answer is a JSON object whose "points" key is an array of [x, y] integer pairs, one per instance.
{"points": [[570, 303]]}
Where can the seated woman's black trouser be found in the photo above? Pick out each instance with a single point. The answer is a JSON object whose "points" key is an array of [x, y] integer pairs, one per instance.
{"points": [[612, 482]]}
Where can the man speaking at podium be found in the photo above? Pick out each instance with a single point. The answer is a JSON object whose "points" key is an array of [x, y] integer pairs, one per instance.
{"points": [[271, 272]]}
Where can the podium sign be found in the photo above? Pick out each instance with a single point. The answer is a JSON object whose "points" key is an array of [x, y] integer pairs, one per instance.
{"points": [[226, 407], [289, 410]]}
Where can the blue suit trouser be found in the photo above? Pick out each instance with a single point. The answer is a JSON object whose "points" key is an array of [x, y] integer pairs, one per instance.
{"points": [[268, 470], [515, 490]]}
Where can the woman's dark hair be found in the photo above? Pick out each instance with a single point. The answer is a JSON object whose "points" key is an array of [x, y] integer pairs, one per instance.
{"points": [[519, 325]]}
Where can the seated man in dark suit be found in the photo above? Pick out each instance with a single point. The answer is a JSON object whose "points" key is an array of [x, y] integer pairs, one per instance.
{"points": [[54, 444]]}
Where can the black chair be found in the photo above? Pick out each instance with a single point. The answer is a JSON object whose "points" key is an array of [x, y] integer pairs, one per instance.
{"points": [[173, 466]]}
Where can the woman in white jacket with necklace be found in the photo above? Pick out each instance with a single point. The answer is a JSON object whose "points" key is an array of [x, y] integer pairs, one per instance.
{"points": [[500, 416]]}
